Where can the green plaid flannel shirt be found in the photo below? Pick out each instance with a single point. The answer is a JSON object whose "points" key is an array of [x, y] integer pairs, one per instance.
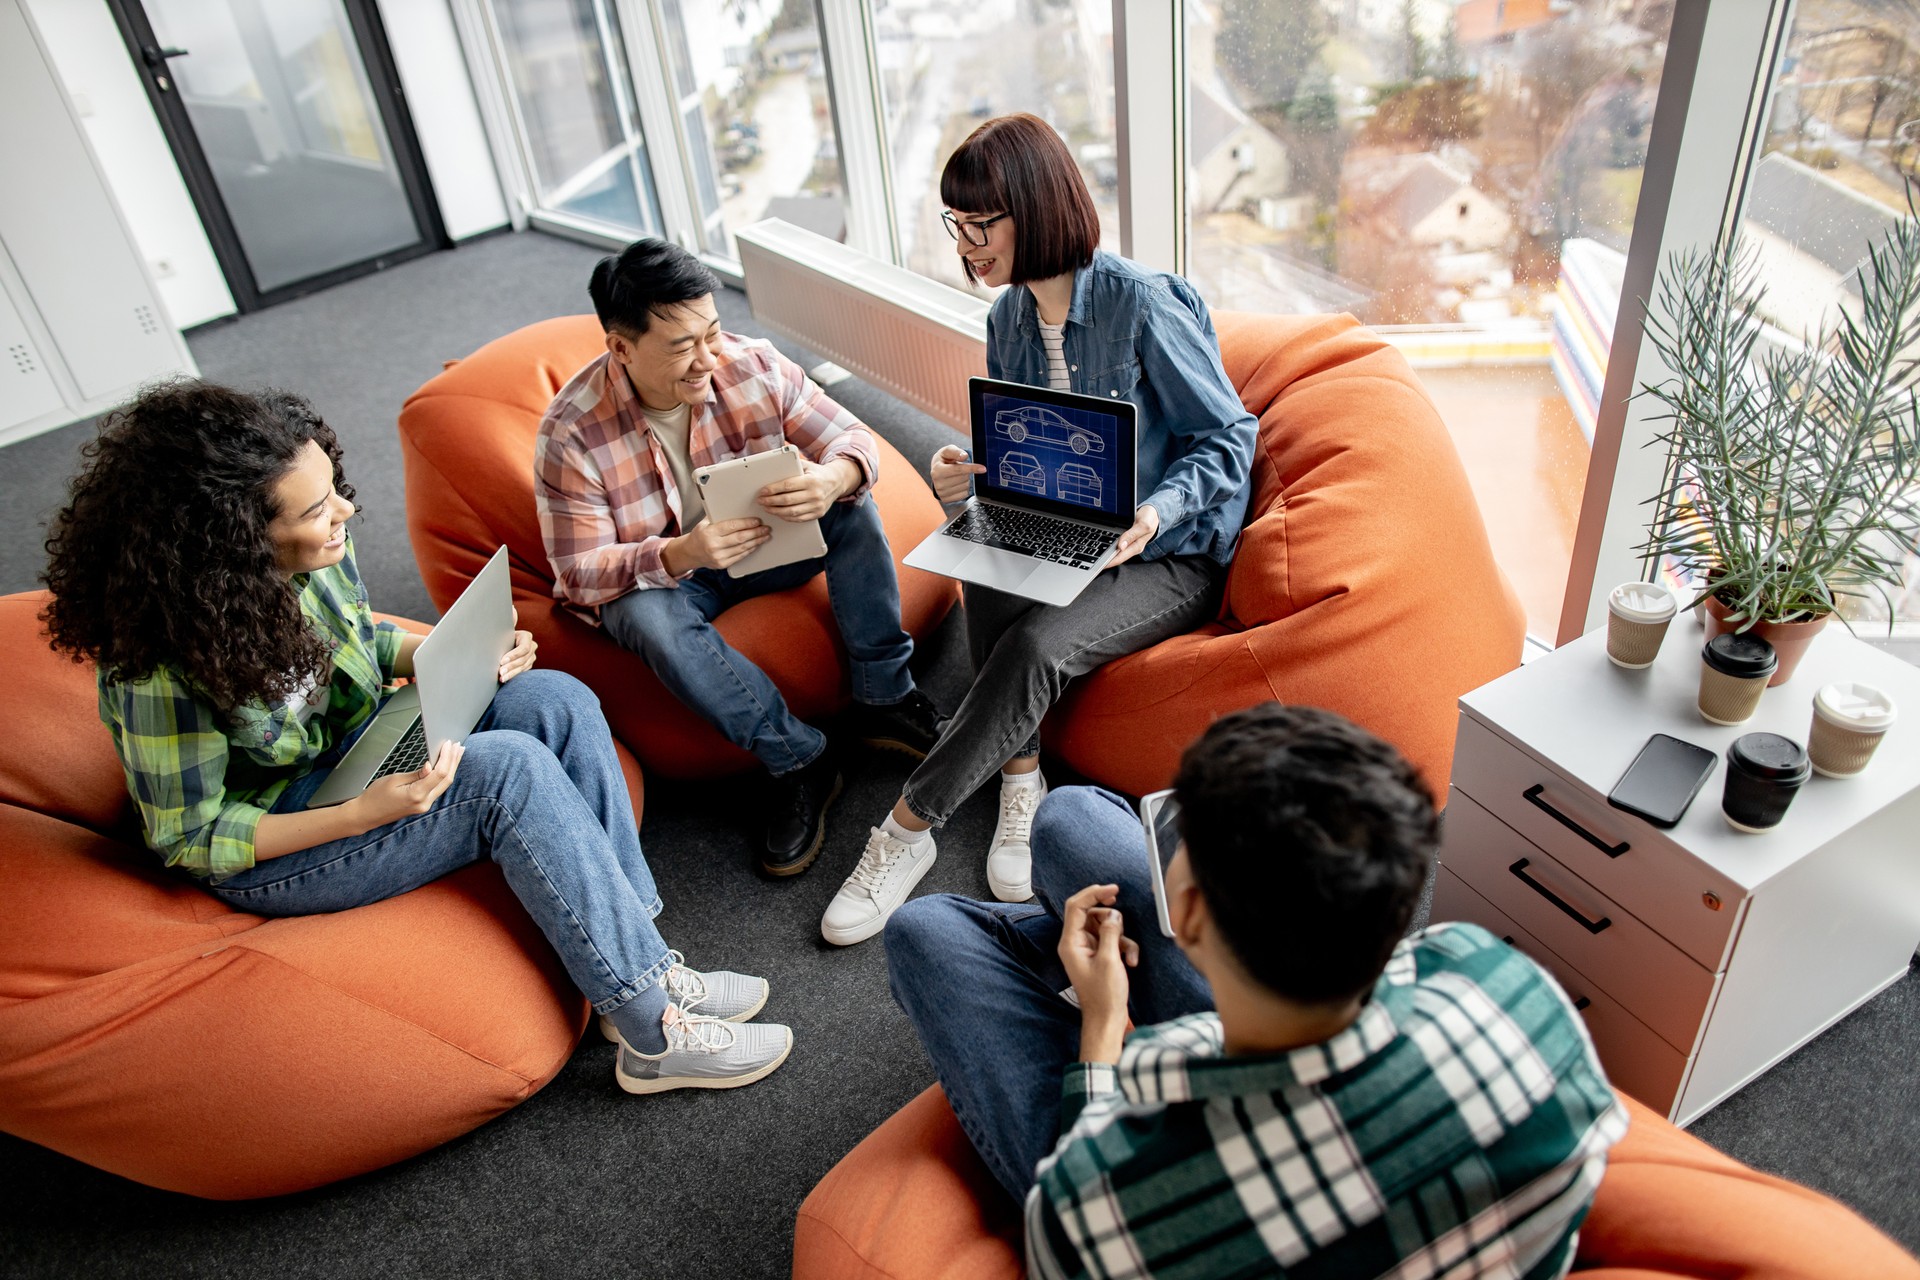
{"points": [[1458, 1128], [203, 781]]}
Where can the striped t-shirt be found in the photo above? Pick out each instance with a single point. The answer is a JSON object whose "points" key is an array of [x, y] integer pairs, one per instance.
{"points": [[1055, 338]]}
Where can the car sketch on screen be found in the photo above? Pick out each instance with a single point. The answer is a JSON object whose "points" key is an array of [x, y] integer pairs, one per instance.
{"points": [[1036, 424], [1077, 482], [1022, 471]]}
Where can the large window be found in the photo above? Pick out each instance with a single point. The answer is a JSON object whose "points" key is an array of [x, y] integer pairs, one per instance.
{"points": [[573, 98], [751, 85], [944, 68], [1462, 176], [1842, 144]]}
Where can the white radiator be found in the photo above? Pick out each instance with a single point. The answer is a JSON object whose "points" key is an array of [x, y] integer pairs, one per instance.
{"points": [[916, 338]]}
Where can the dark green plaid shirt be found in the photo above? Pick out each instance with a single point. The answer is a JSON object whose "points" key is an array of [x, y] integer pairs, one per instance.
{"points": [[202, 781], [1458, 1128]]}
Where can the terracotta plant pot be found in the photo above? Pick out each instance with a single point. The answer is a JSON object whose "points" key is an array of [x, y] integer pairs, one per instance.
{"points": [[1789, 639]]}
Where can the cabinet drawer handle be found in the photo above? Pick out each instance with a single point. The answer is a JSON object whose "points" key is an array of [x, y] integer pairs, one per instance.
{"points": [[1532, 796], [1591, 926], [1582, 1005]]}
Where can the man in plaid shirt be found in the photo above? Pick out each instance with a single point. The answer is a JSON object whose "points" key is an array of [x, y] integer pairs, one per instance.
{"points": [[626, 529], [1308, 1093]]}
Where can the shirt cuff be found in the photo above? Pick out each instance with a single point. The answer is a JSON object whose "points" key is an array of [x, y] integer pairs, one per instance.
{"points": [[387, 639], [1167, 503], [652, 568], [1080, 1084], [864, 456]]}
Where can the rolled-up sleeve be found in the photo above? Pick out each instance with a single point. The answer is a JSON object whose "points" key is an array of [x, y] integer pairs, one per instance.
{"points": [[387, 639], [1181, 359], [591, 566], [175, 757], [823, 429]]}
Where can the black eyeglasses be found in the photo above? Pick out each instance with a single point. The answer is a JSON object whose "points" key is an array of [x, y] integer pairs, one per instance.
{"points": [[975, 232]]}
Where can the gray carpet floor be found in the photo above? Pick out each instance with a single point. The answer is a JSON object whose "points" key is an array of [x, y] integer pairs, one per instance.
{"points": [[583, 1178]]}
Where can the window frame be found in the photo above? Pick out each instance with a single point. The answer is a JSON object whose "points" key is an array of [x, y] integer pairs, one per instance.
{"points": [[1707, 133]]}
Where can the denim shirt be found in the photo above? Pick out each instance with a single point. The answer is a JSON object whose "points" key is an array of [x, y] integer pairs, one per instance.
{"points": [[1145, 336]]}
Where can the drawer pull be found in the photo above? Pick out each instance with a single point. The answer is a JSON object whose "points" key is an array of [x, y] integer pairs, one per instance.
{"points": [[1582, 1005], [1591, 926], [1532, 796]]}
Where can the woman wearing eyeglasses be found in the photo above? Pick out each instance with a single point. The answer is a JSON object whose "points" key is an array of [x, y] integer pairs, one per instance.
{"points": [[1073, 318]]}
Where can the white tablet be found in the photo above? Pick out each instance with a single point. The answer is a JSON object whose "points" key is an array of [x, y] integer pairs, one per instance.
{"points": [[1160, 816], [731, 490]]}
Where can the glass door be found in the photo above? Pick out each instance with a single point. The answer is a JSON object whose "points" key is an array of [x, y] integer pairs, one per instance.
{"points": [[286, 117]]}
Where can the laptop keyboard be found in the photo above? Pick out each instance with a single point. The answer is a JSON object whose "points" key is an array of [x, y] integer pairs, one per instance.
{"points": [[1030, 533], [408, 754]]}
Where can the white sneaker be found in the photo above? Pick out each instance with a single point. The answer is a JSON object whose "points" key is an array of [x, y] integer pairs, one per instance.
{"points": [[1010, 856], [705, 1053], [888, 870], [722, 994]]}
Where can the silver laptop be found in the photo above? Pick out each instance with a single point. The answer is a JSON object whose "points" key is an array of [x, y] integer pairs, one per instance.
{"points": [[1057, 494], [456, 671]]}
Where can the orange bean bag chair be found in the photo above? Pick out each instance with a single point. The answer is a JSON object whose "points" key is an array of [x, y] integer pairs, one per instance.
{"points": [[467, 438], [151, 1030], [1364, 582], [913, 1200]]}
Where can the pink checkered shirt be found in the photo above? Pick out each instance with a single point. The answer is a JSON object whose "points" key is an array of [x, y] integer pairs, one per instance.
{"points": [[606, 496]]}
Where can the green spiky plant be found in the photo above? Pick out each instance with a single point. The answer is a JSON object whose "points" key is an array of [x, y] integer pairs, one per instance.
{"points": [[1790, 484]]}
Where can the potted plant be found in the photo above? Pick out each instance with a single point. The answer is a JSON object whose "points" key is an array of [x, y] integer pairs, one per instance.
{"points": [[1791, 476]]}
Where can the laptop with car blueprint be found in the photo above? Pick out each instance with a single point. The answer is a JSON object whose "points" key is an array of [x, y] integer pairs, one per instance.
{"points": [[1057, 494]]}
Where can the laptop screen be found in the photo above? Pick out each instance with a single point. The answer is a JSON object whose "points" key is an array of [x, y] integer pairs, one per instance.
{"points": [[1067, 454]]}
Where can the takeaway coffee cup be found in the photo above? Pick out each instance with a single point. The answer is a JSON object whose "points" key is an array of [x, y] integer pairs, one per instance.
{"points": [[1637, 618], [1848, 722], [1734, 670], [1764, 772]]}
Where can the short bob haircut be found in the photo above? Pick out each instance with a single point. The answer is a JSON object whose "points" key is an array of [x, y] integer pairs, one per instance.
{"points": [[1018, 165]]}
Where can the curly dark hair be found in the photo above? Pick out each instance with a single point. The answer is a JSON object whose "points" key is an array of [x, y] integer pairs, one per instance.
{"points": [[162, 556], [1310, 840]]}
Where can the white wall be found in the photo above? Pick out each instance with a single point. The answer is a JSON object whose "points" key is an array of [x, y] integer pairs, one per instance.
{"points": [[446, 118], [99, 75]]}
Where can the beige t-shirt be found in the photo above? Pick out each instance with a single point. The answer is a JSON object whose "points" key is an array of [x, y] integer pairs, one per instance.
{"points": [[672, 428]]}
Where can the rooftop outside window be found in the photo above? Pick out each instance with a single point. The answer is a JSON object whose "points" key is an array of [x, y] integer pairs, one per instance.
{"points": [[1461, 176]]}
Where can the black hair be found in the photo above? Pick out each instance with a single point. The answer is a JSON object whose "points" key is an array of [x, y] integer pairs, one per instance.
{"points": [[1018, 165], [647, 276], [1310, 840], [163, 555]]}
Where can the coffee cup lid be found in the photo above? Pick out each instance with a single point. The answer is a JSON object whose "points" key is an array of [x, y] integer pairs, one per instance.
{"points": [[1769, 757], [1643, 602], [1854, 706], [1740, 656]]}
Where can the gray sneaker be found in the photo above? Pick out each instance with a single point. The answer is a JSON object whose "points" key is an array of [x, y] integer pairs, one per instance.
{"points": [[705, 1053], [722, 994]]}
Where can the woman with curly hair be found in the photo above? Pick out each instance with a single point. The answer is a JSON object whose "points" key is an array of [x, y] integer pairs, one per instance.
{"points": [[203, 565]]}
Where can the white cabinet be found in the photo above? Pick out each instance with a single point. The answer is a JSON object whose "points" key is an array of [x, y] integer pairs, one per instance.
{"points": [[81, 325], [1702, 955]]}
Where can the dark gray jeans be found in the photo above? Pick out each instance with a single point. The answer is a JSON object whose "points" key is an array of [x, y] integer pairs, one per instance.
{"points": [[1025, 653]]}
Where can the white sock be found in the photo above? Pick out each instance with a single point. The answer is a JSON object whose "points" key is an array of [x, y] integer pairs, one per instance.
{"points": [[893, 828], [1031, 778]]}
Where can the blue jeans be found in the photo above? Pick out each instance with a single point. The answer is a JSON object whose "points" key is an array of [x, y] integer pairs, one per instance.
{"points": [[540, 792], [981, 981], [672, 629]]}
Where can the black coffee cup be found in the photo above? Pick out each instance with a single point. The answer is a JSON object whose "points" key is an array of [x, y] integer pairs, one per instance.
{"points": [[1734, 670], [1764, 771]]}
